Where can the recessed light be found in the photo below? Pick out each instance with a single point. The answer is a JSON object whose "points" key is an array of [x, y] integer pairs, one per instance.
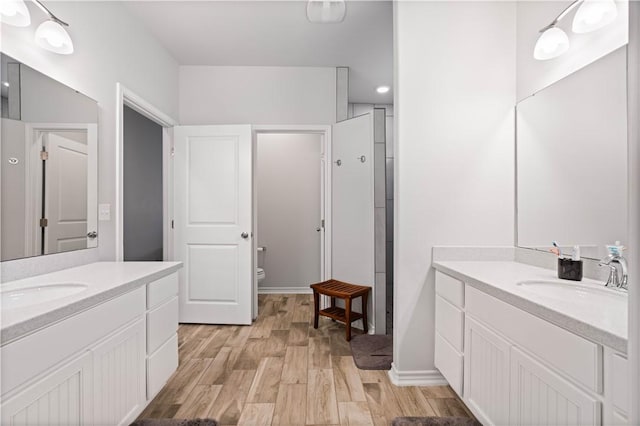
{"points": [[383, 89], [5, 83]]}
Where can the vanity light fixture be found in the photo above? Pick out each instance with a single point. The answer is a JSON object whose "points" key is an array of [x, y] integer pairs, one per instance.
{"points": [[591, 16], [383, 89], [326, 11], [15, 12], [51, 34]]}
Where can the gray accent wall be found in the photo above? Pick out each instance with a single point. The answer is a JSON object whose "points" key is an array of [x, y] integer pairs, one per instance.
{"points": [[142, 188]]}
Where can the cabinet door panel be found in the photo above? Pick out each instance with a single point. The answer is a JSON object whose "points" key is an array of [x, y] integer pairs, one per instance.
{"points": [[119, 376], [63, 397], [539, 396], [486, 373]]}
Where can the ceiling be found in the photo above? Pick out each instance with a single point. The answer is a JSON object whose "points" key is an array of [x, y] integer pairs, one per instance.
{"points": [[277, 33]]}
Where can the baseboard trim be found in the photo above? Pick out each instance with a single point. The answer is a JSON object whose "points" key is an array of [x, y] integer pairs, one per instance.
{"points": [[284, 290], [416, 378]]}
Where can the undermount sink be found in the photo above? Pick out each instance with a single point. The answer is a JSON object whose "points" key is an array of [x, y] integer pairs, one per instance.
{"points": [[566, 289], [27, 296]]}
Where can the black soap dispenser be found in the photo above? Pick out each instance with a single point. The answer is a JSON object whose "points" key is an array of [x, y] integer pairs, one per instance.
{"points": [[570, 269]]}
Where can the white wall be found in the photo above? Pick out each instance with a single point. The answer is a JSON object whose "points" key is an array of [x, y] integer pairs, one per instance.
{"points": [[454, 96], [289, 210], [257, 95], [534, 75], [110, 47]]}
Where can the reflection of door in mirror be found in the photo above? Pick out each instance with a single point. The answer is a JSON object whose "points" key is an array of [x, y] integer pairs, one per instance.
{"points": [[65, 192]]}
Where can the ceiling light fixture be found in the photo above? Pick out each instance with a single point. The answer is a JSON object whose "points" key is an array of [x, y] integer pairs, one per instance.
{"points": [[15, 12], [383, 89], [5, 83], [326, 11], [591, 16], [51, 34]]}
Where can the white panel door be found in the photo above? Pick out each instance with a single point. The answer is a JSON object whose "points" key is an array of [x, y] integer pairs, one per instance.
{"points": [[213, 224], [352, 201], [66, 201]]}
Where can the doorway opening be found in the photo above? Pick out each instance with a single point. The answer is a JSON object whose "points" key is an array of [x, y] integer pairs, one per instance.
{"points": [[143, 194], [291, 216], [289, 211], [144, 205]]}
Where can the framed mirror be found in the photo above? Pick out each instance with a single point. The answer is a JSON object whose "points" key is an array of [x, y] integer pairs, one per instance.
{"points": [[572, 160], [49, 165]]}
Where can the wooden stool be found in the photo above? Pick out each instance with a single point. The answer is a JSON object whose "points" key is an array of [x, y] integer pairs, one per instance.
{"points": [[345, 291]]}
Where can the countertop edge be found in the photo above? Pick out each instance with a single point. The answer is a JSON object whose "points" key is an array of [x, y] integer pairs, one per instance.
{"points": [[559, 319], [32, 325]]}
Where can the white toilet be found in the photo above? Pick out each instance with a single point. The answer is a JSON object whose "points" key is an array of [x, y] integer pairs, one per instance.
{"points": [[261, 275]]}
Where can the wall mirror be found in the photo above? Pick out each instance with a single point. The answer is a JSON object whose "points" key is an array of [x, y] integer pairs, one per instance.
{"points": [[49, 165], [572, 160]]}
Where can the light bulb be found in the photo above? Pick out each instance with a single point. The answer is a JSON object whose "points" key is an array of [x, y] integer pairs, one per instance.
{"points": [[14, 12], [593, 15], [382, 89], [326, 11], [52, 36], [552, 43]]}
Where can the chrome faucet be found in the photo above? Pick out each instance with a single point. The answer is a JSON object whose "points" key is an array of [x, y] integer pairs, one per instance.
{"points": [[618, 280]]}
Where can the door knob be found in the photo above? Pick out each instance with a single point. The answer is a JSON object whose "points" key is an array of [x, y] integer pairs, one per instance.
{"points": [[92, 234], [244, 235]]}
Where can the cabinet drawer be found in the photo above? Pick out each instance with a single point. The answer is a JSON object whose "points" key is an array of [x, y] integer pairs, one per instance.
{"points": [[450, 323], [161, 365], [449, 362], [575, 356], [620, 383], [23, 360], [162, 323], [450, 289], [161, 290]]}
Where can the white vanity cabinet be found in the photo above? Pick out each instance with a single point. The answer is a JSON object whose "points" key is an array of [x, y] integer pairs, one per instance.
{"points": [[93, 366], [162, 333], [519, 369]]}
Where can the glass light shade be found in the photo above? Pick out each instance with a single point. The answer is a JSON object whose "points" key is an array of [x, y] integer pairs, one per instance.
{"points": [[552, 43], [14, 12], [326, 11], [593, 15], [52, 36]]}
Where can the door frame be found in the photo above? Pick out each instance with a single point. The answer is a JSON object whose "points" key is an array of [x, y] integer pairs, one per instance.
{"points": [[127, 97], [325, 132]]}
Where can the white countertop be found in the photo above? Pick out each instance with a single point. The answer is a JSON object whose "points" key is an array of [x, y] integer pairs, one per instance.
{"points": [[105, 280], [603, 320]]}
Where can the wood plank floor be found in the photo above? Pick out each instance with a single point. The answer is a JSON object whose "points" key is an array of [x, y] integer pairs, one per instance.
{"points": [[282, 371]]}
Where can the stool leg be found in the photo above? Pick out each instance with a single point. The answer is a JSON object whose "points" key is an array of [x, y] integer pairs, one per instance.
{"points": [[316, 308], [365, 322], [347, 314], [333, 305]]}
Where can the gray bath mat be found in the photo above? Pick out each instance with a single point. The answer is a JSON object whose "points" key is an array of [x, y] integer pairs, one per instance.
{"points": [[372, 352], [434, 421], [174, 422]]}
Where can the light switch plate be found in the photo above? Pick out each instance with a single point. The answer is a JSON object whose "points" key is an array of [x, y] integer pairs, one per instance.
{"points": [[104, 212]]}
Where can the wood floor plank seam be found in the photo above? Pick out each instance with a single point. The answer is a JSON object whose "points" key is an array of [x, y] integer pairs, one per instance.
{"points": [[280, 371]]}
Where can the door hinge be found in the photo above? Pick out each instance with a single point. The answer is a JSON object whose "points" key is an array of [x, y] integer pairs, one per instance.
{"points": [[44, 155], [173, 152], [322, 223], [44, 222], [172, 224]]}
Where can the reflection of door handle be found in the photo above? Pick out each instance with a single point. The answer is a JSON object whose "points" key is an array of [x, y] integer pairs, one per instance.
{"points": [[244, 235], [92, 235]]}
